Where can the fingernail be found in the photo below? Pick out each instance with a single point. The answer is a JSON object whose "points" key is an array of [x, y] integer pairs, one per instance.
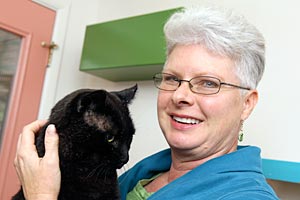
{"points": [[51, 129]]}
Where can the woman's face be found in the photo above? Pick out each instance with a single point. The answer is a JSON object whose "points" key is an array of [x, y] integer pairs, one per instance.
{"points": [[204, 125]]}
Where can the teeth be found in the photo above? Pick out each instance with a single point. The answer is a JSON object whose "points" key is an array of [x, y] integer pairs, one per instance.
{"points": [[186, 120]]}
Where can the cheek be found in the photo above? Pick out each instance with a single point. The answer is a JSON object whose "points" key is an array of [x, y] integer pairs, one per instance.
{"points": [[222, 121], [162, 101], [221, 109]]}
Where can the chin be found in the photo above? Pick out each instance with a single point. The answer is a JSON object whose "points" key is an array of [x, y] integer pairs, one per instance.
{"points": [[180, 144]]}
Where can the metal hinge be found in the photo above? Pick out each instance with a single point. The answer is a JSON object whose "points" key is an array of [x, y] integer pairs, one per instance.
{"points": [[51, 47]]}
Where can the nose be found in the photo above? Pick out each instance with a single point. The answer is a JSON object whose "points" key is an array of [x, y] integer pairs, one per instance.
{"points": [[123, 159], [183, 94]]}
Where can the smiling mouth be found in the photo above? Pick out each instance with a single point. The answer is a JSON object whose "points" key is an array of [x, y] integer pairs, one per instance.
{"points": [[184, 120]]}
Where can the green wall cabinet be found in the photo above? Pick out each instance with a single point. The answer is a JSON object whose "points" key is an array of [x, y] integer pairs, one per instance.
{"points": [[127, 49]]}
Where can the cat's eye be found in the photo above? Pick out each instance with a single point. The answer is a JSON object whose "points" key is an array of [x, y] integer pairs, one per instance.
{"points": [[110, 138]]}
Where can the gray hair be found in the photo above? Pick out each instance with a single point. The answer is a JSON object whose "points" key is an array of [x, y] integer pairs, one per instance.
{"points": [[223, 33]]}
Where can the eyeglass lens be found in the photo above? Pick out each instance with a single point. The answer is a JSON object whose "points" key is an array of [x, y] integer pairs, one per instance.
{"points": [[201, 84]]}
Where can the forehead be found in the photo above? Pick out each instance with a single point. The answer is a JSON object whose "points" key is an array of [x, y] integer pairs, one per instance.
{"points": [[188, 61]]}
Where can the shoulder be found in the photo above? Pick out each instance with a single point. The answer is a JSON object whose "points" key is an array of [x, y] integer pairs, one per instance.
{"points": [[251, 195]]}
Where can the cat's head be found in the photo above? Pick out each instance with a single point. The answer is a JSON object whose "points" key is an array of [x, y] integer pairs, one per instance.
{"points": [[101, 126]]}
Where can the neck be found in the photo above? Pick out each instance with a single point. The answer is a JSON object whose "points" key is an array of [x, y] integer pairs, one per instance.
{"points": [[182, 163]]}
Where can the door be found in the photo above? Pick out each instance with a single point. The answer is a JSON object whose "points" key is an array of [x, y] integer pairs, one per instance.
{"points": [[25, 24]]}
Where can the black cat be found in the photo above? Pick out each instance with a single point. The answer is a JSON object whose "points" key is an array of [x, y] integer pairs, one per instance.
{"points": [[95, 132]]}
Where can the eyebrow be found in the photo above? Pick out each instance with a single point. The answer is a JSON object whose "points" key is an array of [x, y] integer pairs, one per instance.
{"points": [[202, 74], [172, 73]]}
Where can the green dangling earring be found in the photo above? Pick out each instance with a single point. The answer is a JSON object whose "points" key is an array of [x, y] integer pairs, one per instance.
{"points": [[241, 135]]}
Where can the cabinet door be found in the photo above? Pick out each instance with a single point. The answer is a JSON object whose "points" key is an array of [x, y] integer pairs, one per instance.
{"points": [[23, 26]]}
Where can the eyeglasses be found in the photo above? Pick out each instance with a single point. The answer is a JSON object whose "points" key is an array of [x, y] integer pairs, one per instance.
{"points": [[201, 84]]}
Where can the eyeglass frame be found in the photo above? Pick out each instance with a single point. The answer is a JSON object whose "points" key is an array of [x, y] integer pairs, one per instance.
{"points": [[191, 86]]}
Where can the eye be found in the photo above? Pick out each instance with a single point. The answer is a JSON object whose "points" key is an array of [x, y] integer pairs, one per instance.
{"points": [[210, 84], [110, 138], [170, 79], [206, 83]]}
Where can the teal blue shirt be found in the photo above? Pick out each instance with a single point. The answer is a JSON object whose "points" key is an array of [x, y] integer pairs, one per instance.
{"points": [[234, 176]]}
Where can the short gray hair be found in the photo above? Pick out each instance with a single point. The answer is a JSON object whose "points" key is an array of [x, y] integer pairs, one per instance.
{"points": [[223, 33]]}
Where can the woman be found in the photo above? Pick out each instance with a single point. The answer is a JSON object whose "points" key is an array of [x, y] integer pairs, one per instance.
{"points": [[207, 90]]}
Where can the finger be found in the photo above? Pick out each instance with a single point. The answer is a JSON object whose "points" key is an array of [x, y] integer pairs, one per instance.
{"points": [[51, 144], [17, 159], [19, 143], [29, 131], [26, 147], [18, 150]]}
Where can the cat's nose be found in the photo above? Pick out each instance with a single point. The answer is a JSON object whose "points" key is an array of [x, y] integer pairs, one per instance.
{"points": [[122, 160]]}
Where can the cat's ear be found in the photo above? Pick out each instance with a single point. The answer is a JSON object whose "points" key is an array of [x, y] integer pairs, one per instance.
{"points": [[87, 101], [127, 95]]}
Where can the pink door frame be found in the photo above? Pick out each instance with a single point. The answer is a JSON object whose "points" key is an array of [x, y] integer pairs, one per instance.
{"points": [[34, 23]]}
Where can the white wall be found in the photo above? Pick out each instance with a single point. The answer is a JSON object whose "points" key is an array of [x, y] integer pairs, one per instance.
{"points": [[273, 125]]}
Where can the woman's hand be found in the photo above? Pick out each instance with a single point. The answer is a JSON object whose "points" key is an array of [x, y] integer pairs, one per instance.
{"points": [[40, 177]]}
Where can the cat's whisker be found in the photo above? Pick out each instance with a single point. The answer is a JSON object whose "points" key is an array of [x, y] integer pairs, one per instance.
{"points": [[125, 171], [105, 175], [103, 172], [125, 168], [95, 171]]}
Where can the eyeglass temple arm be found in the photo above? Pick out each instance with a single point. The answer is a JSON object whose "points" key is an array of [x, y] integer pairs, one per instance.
{"points": [[232, 85]]}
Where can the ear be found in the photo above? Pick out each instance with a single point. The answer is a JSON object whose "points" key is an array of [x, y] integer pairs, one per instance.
{"points": [[250, 100], [87, 101], [127, 95]]}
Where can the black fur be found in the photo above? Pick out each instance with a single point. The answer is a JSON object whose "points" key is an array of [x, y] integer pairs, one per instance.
{"points": [[95, 132]]}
